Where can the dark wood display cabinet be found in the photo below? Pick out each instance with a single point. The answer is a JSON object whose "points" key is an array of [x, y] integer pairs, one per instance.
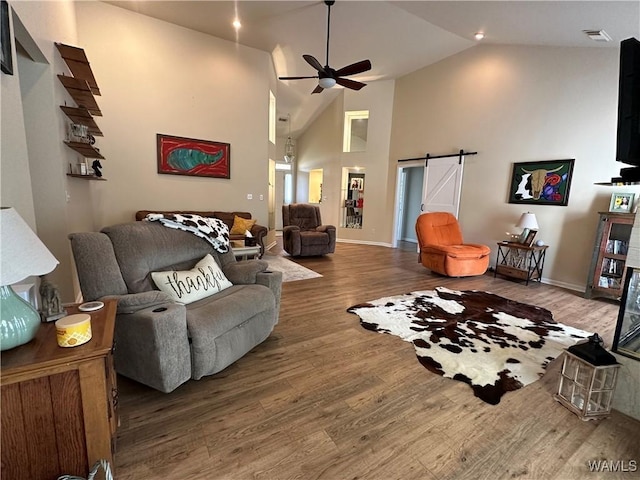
{"points": [[608, 264]]}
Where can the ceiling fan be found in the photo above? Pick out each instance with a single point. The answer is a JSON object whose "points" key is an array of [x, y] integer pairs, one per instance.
{"points": [[327, 76]]}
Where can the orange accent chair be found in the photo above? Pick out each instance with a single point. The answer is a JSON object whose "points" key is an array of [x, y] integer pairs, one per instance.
{"points": [[442, 249]]}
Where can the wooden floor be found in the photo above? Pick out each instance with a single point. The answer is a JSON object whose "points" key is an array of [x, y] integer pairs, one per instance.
{"points": [[324, 398]]}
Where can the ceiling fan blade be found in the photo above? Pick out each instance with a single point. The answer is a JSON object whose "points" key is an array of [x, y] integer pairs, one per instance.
{"points": [[311, 60], [318, 89], [295, 78], [354, 68], [352, 84]]}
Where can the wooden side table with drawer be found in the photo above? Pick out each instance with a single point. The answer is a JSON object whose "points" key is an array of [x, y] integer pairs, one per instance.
{"points": [[59, 404], [519, 261]]}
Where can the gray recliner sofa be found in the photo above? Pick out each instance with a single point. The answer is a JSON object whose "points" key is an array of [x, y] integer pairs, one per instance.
{"points": [[159, 342]]}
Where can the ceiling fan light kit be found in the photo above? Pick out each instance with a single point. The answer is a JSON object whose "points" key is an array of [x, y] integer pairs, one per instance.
{"points": [[327, 76], [327, 82]]}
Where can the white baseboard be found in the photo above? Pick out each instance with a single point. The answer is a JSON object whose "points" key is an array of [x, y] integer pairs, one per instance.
{"points": [[364, 242], [568, 286]]}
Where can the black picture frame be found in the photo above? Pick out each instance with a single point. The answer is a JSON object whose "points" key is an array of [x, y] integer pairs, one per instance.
{"points": [[6, 62], [528, 239], [541, 183]]}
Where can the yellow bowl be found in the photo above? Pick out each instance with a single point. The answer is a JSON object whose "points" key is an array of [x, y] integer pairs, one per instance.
{"points": [[73, 330]]}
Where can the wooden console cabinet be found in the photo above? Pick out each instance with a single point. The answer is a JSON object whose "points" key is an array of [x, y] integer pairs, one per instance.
{"points": [[59, 404], [608, 264]]}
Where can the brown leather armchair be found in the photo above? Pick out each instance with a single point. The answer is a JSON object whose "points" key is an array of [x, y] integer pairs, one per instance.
{"points": [[442, 249], [303, 233]]}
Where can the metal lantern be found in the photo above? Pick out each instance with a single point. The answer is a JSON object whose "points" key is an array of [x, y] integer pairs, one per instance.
{"points": [[588, 379]]}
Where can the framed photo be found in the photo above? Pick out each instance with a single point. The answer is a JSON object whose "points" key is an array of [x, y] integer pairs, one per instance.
{"points": [[188, 156], [622, 202], [528, 239], [6, 62], [541, 183]]}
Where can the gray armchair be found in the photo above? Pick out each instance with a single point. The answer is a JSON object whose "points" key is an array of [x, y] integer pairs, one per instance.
{"points": [[160, 342], [303, 233]]}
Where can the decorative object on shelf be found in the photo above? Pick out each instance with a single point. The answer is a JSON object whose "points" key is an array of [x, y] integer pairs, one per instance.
{"points": [[539, 243], [541, 183], [188, 156], [621, 202], [74, 330], [96, 166], [22, 255], [289, 146], [51, 302], [588, 379], [7, 56]]}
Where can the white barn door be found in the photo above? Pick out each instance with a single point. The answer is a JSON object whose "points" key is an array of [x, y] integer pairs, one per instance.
{"points": [[442, 185]]}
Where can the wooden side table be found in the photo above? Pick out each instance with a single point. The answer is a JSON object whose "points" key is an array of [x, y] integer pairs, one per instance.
{"points": [[245, 253], [516, 260], [59, 404]]}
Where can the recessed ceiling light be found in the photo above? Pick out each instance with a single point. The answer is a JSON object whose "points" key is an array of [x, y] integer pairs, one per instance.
{"points": [[479, 36], [597, 35], [237, 24]]}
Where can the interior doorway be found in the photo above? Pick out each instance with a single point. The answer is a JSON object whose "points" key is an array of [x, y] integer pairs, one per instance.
{"points": [[435, 187], [283, 191]]}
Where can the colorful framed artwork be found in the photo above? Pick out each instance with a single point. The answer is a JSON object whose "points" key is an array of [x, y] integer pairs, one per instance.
{"points": [[541, 183], [6, 61], [188, 156], [622, 202]]}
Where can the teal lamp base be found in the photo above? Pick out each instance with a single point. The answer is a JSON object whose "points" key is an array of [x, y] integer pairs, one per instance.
{"points": [[19, 321]]}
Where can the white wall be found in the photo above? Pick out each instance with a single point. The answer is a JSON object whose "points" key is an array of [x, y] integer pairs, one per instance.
{"points": [[33, 157], [321, 147], [518, 104], [156, 77]]}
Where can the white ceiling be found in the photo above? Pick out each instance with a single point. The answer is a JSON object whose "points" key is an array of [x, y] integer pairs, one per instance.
{"points": [[397, 36]]}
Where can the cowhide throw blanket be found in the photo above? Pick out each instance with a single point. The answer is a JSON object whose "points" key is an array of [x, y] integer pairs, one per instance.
{"points": [[494, 344], [213, 230]]}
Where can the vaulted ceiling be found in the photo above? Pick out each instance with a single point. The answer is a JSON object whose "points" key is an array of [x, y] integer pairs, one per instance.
{"points": [[398, 37]]}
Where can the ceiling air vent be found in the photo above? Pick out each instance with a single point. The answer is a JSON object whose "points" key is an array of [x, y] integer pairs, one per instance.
{"points": [[597, 35]]}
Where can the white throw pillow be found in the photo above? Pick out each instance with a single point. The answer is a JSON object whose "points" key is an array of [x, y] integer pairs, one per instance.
{"points": [[187, 286]]}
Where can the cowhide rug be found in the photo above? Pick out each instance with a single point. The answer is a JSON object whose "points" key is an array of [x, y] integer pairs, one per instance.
{"points": [[494, 344]]}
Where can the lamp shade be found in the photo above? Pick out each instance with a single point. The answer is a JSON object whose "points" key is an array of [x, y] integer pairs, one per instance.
{"points": [[528, 220], [22, 254]]}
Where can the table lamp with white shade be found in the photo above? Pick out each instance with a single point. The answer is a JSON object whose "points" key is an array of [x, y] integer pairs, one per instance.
{"points": [[22, 255], [527, 223], [528, 220]]}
